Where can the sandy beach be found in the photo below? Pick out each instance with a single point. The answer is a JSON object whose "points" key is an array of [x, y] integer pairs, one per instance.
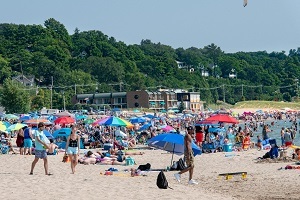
{"points": [[264, 180]]}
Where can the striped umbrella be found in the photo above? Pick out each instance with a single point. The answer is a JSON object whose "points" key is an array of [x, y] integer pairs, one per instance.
{"points": [[113, 121]]}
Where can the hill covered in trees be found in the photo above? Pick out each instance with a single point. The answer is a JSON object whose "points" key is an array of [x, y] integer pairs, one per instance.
{"points": [[90, 61]]}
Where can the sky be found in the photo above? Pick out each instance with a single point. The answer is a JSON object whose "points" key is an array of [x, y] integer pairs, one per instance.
{"points": [[263, 25]]}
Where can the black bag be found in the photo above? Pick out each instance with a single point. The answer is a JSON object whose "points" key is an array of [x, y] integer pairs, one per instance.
{"points": [[161, 181], [180, 164], [144, 167]]}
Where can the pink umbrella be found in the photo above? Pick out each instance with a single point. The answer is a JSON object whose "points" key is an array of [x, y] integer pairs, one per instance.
{"points": [[168, 129]]}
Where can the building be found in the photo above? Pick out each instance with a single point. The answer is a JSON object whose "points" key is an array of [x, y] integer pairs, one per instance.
{"points": [[113, 100], [153, 100], [191, 100], [25, 80]]}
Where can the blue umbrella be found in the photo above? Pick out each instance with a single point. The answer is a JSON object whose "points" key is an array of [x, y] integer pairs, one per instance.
{"points": [[25, 117], [145, 127], [137, 120], [149, 116], [47, 133], [172, 143]]}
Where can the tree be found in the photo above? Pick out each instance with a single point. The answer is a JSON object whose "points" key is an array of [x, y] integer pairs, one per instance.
{"points": [[14, 98], [181, 107]]}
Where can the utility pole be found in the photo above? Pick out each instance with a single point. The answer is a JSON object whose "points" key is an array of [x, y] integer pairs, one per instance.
{"points": [[51, 92], [64, 100], [75, 89], [223, 93]]}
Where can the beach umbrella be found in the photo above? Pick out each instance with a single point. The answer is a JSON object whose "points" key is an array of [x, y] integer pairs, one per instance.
{"points": [[2, 127], [222, 119], [168, 128], [88, 121], [16, 127], [113, 121], [47, 133], [173, 143], [36, 121], [7, 124], [80, 117], [144, 127], [137, 120], [25, 117], [205, 122], [11, 116], [64, 120], [120, 133]]}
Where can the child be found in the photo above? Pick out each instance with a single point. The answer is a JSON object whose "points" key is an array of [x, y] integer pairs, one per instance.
{"points": [[258, 144], [52, 148]]}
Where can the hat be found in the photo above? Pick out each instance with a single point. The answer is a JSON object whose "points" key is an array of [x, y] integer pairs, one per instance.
{"points": [[41, 124], [190, 128]]}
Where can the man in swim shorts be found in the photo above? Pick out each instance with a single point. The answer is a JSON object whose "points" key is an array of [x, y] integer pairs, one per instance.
{"points": [[188, 156]]}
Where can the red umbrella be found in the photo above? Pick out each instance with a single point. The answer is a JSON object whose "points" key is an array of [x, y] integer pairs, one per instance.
{"points": [[223, 118], [64, 120]]}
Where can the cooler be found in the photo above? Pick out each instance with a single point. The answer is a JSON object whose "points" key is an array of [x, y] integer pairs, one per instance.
{"points": [[227, 147]]}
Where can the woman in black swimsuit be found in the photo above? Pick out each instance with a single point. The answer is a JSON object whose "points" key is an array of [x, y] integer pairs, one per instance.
{"points": [[73, 147]]}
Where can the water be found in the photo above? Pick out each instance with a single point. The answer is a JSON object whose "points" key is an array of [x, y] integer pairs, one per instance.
{"points": [[275, 134]]}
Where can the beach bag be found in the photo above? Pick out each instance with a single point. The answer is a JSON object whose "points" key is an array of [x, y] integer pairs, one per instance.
{"points": [[180, 164], [144, 167], [174, 166], [65, 158], [161, 181]]}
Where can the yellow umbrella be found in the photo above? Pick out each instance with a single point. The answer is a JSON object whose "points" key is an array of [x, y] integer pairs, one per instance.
{"points": [[2, 127]]}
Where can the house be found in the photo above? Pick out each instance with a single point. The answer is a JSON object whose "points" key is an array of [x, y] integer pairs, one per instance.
{"points": [[25, 80]]}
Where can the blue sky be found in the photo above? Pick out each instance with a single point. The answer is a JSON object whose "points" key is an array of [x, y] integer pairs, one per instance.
{"points": [[271, 25]]}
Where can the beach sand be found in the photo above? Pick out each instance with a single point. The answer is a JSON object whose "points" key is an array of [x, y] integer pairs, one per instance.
{"points": [[264, 180]]}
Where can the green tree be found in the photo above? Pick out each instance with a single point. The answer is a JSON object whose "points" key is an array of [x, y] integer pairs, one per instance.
{"points": [[14, 98]]}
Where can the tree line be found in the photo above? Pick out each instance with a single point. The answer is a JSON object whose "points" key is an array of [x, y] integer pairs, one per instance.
{"points": [[96, 62]]}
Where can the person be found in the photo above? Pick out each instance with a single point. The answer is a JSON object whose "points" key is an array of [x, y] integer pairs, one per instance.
{"points": [[20, 140], [199, 136], [27, 141], [259, 143], [287, 138], [52, 148], [41, 144], [72, 148], [282, 136], [265, 132], [188, 156]]}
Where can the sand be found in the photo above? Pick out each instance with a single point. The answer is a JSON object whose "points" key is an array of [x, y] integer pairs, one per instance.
{"points": [[264, 180]]}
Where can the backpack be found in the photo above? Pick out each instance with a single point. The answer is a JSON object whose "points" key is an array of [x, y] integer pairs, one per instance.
{"points": [[180, 164], [161, 181]]}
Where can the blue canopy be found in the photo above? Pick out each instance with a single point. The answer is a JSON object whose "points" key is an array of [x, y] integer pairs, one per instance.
{"points": [[61, 136]]}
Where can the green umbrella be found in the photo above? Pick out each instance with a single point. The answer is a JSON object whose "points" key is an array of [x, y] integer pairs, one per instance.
{"points": [[88, 121], [11, 116]]}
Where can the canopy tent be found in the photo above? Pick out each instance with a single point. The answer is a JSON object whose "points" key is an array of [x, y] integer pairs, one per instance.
{"points": [[64, 114], [61, 136]]}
